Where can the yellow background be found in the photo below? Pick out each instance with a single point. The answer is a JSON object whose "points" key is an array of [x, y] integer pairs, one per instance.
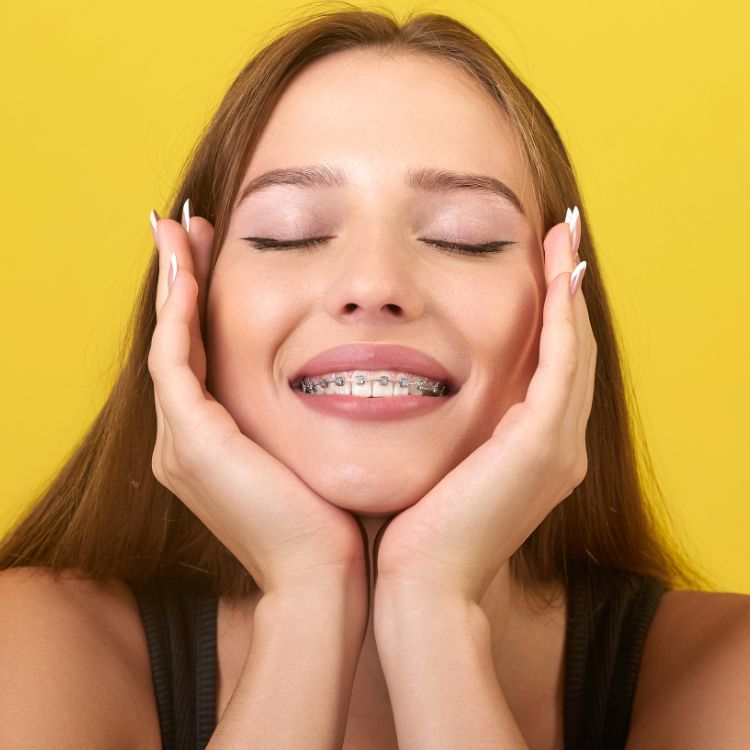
{"points": [[100, 108]]}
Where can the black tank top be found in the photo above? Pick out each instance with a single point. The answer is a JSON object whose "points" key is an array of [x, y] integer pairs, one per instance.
{"points": [[606, 629]]}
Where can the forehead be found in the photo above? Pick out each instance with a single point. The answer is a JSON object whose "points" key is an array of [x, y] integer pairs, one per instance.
{"points": [[377, 115]]}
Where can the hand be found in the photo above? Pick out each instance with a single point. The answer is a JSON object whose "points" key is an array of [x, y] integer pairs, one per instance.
{"points": [[455, 539], [284, 534]]}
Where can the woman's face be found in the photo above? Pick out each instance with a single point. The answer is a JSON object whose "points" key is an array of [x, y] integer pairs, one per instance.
{"points": [[377, 281]]}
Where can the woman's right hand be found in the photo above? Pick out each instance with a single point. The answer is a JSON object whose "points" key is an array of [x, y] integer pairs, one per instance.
{"points": [[285, 535]]}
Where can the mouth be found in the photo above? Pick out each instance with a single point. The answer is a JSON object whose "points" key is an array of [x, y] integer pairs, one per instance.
{"points": [[374, 371], [373, 384]]}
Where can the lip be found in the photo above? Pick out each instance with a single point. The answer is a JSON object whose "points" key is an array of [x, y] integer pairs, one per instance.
{"points": [[383, 409], [377, 357]]}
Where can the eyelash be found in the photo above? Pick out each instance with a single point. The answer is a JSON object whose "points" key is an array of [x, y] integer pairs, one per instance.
{"points": [[261, 243]]}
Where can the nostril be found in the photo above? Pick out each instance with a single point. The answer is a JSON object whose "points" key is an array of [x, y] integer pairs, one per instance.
{"points": [[351, 307]]}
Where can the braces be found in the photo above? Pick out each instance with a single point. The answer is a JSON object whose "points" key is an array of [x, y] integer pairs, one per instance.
{"points": [[437, 388]]}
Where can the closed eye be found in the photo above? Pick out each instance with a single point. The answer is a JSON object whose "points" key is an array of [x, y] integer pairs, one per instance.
{"points": [[261, 243]]}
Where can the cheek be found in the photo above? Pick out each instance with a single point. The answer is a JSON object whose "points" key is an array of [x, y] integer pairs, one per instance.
{"points": [[506, 340], [246, 323], [516, 322]]}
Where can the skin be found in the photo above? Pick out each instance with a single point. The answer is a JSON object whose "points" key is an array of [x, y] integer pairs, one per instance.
{"points": [[475, 514], [269, 311]]}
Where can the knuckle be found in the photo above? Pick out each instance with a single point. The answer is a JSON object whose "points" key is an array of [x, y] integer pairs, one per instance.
{"points": [[569, 369], [153, 358], [155, 364], [594, 349], [156, 466], [578, 469], [152, 366], [182, 459], [566, 470], [534, 436], [170, 467], [582, 468], [544, 449]]}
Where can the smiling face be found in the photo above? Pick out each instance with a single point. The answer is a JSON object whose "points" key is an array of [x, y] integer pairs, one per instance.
{"points": [[375, 121]]}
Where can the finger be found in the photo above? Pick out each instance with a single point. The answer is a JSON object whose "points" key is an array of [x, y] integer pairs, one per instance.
{"points": [[583, 390], [201, 242], [558, 254], [585, 411], [582, 397], [200, 237], [163, 434], [180, 394], [587, 399], [154, 219], [552, 385], [560, 246], [172, 238]]}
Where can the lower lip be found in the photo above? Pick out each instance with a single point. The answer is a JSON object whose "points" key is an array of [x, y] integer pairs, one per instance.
{"points": [[386, 408]]}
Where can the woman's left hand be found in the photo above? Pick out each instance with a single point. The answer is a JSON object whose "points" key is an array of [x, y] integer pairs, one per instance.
{"points": [[455, 539]]}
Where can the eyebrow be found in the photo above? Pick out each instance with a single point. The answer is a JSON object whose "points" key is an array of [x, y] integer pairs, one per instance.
{"points": [[424, 178]]}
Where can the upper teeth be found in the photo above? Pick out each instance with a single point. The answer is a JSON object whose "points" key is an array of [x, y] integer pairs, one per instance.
{"points": [[372, 383]]}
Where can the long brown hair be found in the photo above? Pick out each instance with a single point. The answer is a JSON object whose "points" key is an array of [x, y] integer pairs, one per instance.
{"points": [[104, 513]]}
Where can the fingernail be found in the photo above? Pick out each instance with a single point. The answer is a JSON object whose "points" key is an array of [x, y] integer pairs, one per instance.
{"points": [[186, 215], [573, 220], [576, 278], [153, 218], [172, 271]]}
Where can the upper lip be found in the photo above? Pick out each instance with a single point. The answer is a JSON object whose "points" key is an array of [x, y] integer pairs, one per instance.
{"points": [[376, 357]]}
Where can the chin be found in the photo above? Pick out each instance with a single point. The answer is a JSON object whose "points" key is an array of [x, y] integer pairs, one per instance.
{"points": [[369, 492]]}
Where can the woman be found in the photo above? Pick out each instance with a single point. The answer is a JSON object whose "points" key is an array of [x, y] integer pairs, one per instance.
{"points": [[245, 550]]}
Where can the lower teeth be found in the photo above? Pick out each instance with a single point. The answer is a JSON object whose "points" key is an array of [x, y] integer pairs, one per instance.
{"points": [[320, 392], [419, 395]]}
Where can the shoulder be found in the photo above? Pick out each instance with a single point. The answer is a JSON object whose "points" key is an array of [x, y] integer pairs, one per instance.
{"points": [[98, 612], [693, 686], [69, 642]]}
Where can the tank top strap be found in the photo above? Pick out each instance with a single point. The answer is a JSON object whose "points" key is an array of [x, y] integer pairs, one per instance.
{"points": [[180, 625], [608, 619]]}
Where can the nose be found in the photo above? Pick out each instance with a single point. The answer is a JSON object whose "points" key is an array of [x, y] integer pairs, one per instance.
{"points": [[375, 281]]}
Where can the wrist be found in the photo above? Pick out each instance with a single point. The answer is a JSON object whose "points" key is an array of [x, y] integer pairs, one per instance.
{"points": [[402, 611], [336, 598]]}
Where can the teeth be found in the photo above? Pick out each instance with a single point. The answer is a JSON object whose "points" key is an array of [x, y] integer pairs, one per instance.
{"points": [[384, 385], [371, 384], [361, 385]]}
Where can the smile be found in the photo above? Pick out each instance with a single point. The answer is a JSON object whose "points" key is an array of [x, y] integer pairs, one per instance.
{"points": [[372, 384]]}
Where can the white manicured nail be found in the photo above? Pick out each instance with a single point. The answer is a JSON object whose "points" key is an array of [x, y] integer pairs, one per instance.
{"points": [[172, 270], [573, 223], [186, 215], [577, 277], [570, 221], [153, 217]]}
